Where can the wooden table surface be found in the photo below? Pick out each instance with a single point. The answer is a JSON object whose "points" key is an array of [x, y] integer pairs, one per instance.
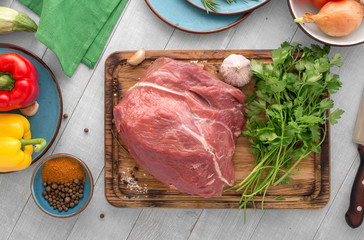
{"points": [[83, 99]]}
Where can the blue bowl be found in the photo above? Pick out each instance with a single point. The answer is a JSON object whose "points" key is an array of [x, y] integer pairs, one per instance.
{"points": [[37, 189]]}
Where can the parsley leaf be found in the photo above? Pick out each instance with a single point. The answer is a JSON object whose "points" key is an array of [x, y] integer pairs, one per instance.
{"points": [[334, 116], [337, 60]]}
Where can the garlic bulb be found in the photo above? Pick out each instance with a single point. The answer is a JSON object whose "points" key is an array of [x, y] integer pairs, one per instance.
{"points": [[137, 57], [235, 70]]}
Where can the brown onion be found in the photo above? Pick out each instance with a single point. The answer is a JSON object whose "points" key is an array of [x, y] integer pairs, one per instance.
{"points": [[336, 18]]}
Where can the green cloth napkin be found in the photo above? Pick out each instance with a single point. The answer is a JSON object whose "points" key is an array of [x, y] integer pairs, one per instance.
{"points": [[75, 30]]}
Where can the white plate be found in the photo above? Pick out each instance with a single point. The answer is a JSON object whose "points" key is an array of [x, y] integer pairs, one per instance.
{"points": [[298, 9]]}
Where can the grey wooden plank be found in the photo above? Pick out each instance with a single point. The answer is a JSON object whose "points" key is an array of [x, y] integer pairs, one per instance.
{"points": [[334, 226], [256, 32], [161, 224], [115, 224], [15, 190], [186, 41], [159, 229], [71, 90], [303, 224], [35, 224], [84, 101], [289, 224], [141, 28], [6, 3], [266, 28], [74, 89], [25, 40], [343, 149], [14, 193], [226, 224]]}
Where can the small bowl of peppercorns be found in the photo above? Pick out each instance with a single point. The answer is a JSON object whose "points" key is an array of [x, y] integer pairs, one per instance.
{"points": [[62, 185]]}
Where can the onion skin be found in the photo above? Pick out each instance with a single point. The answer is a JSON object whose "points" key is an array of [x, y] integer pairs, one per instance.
{"points": [[337, 18]]}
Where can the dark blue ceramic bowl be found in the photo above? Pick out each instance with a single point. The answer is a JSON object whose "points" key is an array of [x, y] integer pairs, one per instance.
{"points": [[37, 189]]}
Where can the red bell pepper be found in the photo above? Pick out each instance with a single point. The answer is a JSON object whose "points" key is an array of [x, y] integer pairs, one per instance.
{"points": [[18, 82]]}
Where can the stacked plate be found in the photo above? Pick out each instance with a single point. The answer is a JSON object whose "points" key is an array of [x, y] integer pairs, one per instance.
{"points": [[192, 16]]}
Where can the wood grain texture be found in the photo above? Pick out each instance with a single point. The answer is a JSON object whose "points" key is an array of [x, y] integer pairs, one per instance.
{"points": [[266, 28], [310, 188], [6, 3], [74, 89], [226, 224], [335, 220], [13, 191], [115, 224], [158, 224], [84, 91]]}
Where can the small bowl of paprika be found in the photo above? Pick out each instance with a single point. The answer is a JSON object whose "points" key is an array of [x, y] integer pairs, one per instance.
{"points": [[62, 185]]}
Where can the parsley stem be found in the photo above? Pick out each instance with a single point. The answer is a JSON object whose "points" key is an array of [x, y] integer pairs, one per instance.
{"points": [[291, 168], [255, 169]]}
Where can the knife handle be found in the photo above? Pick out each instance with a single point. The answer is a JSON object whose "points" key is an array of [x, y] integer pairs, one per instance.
{"points": [[354, 215]]}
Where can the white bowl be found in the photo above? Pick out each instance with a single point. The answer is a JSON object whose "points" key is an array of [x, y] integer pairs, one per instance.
{"points": [[298, 9]]}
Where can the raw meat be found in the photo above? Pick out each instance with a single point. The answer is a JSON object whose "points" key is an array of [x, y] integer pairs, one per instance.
{"points": [[180, 123]]}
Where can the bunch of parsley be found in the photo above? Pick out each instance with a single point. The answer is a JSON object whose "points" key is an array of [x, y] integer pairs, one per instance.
{"points": [[292, 94]]}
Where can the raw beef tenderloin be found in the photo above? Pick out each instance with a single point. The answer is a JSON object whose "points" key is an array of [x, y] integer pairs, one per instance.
{"points": [[180, 123]]}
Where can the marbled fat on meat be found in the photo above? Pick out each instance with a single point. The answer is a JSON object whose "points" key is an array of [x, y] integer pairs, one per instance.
{"points": [[180, 123]]}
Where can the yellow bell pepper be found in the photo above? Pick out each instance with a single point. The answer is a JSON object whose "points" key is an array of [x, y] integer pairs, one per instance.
{"points": [[15, 143]]}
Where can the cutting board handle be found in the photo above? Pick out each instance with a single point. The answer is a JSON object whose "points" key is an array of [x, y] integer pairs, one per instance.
{"points": [[354, 216]]}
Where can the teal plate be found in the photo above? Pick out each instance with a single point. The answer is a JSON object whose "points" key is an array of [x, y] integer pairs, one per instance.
{"points": [[182, 15], [237, 7], [46, 122]]}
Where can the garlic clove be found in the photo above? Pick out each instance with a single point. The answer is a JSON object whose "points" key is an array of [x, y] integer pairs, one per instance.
{"points": [[137, 57], [30, 110]]}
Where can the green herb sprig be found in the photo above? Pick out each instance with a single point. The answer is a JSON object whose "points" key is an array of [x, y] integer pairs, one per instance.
{"points": [[211, 4], [292, 95]]}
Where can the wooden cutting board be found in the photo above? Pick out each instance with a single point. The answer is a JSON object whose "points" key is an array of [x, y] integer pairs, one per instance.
{"points": [[310, 188]]}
